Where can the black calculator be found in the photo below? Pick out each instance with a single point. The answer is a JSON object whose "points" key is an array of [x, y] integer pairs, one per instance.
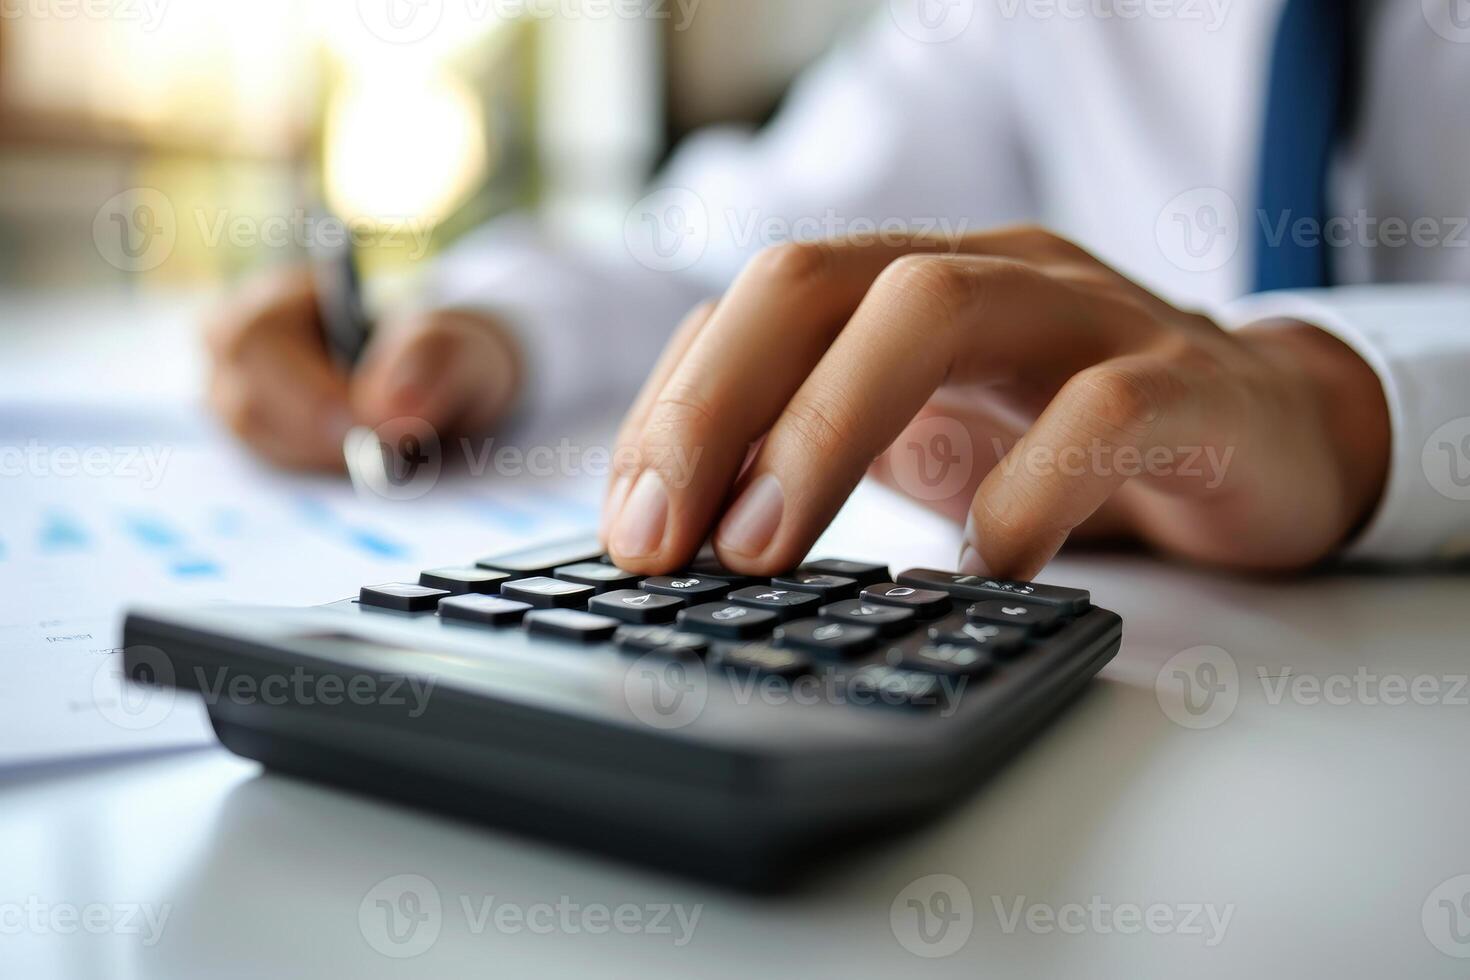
{"points": [[738, 729]]}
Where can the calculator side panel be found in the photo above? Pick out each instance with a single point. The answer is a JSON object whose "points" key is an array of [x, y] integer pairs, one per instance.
{"points": [[753, 818]]}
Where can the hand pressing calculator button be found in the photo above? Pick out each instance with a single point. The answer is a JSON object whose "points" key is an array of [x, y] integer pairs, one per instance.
{"points": [[887, 620], [728, 620], [633, 606], [548, 593], [401, 598], [783, 602], [1026, 615], [926, 603], [482, 610]]}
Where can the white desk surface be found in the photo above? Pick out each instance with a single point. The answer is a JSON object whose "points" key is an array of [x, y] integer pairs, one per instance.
{"points": [[1330, 829]]}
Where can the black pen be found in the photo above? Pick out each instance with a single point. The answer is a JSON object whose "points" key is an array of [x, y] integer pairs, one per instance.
{"points": [[344, 320]]}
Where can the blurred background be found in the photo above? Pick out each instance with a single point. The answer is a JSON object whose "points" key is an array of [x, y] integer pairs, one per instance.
{"points": [[228, 126]]}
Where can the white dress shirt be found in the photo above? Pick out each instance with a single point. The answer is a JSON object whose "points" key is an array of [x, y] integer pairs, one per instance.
{"points": [[1130, 126]]}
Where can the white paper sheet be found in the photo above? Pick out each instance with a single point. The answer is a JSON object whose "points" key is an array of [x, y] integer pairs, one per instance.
{"points": [[102, 511]]}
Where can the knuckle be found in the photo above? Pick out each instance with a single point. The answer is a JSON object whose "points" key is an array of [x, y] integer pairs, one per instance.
{"points": [[1040, 240], [433, 339], [681, 414], [793, 264], [1118, 400], [950, 286], [825, 427]]}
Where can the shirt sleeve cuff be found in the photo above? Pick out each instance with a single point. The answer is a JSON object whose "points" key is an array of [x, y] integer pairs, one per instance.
{"points": [[1417, 339]]}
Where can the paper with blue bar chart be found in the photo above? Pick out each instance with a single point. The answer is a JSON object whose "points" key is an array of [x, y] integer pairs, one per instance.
{"points": [[91, 522]]}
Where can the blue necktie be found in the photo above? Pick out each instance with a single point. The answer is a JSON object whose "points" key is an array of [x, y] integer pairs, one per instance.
{"points": [[1309, 107]]}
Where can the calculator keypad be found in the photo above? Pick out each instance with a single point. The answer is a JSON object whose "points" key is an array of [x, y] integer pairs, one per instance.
{"points": [[900, 642]]}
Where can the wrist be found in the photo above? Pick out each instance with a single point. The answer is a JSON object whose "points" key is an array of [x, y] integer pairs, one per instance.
{"points": [[1350, 406]]}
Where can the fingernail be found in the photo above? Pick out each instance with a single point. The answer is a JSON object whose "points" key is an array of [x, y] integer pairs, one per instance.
{"points": [[970, 561], [750, 525], [639, 531], [612, 504]]}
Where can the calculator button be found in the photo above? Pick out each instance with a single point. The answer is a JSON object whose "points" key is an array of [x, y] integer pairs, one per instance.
{"points": [[861, 572], [531, 562], [570, 624], [926, 603], [691, 588], [483, 610], [998, 639], [463, 581], [547, 593], [710, 568], [832, 588], [1028, 616], [783, 602], [660, 639], [632, 606], [882, 684], [945, 658], [1073, 602], [887, 620], [401, 598], [762, 658], [600, 575], [828, 639], [727, 620]]}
